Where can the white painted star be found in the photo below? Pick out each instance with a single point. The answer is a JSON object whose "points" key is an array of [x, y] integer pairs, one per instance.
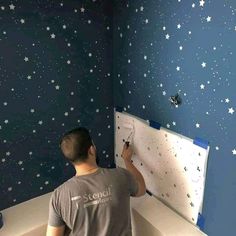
{"points": [[48, 28], [53, 36], [164, 93], [145, 57], [174, 123], [26, 59], [146, 21], [3, 8], [143, 107], [66, 114], [6, 121], [90, 54], [168, 126], [202, 86], [201, 3], [178, 68], [197, 125], [227, 100], [29, 77], [208, 19], [167, 36], [22, 21], [234, 151], [180, 48], [5, 103], [231, 110], [32, 110], [178, 26], [203, 64], [164, 28], [57, 87], [82, 9], [68, 62], [12, 7], [40, 122], [217, 148], [193, 5], [8, 154], [141, 8], [64, 26]]}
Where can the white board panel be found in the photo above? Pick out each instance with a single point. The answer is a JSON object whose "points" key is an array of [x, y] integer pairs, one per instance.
{"points": [[173, 167]]}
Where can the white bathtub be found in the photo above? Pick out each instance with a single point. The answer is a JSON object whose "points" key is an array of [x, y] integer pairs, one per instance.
{"points": [[150, 217]]}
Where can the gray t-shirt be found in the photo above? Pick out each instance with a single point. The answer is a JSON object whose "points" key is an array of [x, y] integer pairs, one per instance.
{"points": [[96, 204]]}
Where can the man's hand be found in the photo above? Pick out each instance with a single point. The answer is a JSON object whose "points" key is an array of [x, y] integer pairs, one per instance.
{"points": [[127, 152], [127, 155]]}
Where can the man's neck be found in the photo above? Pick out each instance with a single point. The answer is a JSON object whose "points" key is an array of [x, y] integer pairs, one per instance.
{"points": [[85, 168]]}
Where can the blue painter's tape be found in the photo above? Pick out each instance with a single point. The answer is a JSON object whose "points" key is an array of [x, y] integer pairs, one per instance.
{"points": [[154, 124], [201, 142], [200, 221], [119, 109]]}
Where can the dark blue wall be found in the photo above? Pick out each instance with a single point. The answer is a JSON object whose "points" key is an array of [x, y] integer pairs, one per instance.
{"points": [[59, 87], [160, 48]]}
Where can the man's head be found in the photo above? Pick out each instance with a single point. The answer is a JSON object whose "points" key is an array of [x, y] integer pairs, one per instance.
{"points": [[77, 145]]}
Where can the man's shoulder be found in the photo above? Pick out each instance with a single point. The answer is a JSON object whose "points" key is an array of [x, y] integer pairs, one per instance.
{"points": [[63, 187], [116, 171]]}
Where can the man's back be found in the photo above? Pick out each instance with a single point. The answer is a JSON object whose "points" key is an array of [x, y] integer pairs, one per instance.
{"points": [[96, 204]]}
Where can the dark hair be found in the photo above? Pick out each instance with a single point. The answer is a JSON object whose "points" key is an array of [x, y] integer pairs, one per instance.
{"points": [[75, 144]]}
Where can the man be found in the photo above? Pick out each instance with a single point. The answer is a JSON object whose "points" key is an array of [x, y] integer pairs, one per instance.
{"points": [[96, 201]]}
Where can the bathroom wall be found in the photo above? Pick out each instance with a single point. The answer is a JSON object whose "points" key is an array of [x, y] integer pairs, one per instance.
{"points": [[162, 48], [56, 70]]}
